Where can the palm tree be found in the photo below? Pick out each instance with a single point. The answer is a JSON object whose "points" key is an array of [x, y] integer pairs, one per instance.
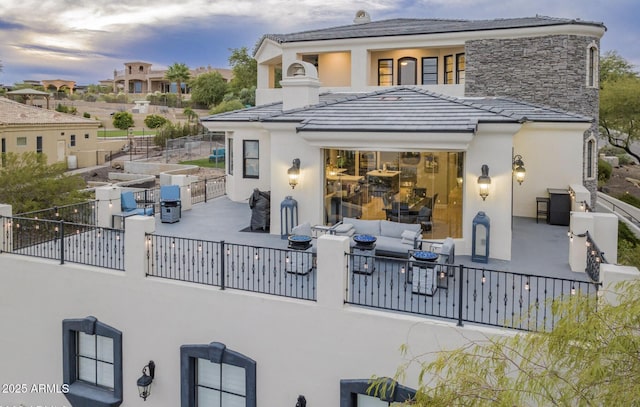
{"points": [[178, 73]]}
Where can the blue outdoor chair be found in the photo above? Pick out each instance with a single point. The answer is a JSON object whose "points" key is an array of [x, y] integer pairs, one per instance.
{"points": [[129, 206]]}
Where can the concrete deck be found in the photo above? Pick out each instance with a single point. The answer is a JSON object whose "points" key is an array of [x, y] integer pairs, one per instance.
{"points": [[538, 249]]}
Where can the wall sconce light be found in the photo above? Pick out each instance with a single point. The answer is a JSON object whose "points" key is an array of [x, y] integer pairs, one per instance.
{"points": [[484, 181], [144, 381], [518, 168], [294, 173]]}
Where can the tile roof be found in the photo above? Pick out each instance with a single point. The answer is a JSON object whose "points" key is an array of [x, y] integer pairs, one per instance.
{"points": [[414, 26], [18, 113], [401, 109]]}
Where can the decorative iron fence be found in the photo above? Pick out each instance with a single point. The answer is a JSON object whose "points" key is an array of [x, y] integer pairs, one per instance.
{"points": [[595, 257], [280, 272], [460, 293], [84, 212], [203, 190], [64, 241]]}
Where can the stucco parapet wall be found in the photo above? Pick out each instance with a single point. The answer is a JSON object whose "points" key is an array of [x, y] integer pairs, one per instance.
{"points": [[137, 167]]}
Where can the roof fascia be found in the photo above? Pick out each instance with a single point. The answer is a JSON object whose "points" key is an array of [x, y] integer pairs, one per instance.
{"points": [[401, 141], [457, 38], [266, 50], [558, 126]]}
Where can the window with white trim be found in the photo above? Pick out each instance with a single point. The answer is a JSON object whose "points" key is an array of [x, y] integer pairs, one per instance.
{"points": [[92, 362], [212, 375], [21, 141], [230, 156]]}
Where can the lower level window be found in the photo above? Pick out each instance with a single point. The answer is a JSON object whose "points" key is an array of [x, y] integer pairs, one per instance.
{"points": [[212, 375], [92, 362], [355, 393]]}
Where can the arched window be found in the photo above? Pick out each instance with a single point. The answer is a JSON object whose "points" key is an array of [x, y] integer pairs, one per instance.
{"points": [[590, 158], [592, 65], [407, 71]]}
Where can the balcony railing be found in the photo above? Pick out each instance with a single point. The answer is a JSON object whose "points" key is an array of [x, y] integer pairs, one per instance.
{"points": [[63, 241], [84, 212], [460, 293], [595, 257], [280, 272]]}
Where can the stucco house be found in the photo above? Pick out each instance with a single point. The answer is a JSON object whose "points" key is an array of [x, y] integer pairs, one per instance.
{"points": [[407, 112], [61, 137]]}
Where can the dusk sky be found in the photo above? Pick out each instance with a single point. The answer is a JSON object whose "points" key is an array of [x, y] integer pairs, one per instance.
{"points": [[85, 40]]}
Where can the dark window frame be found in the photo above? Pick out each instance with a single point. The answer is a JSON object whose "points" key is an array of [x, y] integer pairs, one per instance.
{"points": [[381, 75], [218, 353], [449, 70], [592, 66], [590, 157], [247, 160], [460, 73], [415, 70], [80, 392], [72, 140], [429, 73], [350, 388], [230, 156], [39, 144]]}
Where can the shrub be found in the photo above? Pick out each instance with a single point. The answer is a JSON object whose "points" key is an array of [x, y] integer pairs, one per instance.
{"points": [[87, 115], [153, 121], [122, 120], [604, 171], [227, 106]]}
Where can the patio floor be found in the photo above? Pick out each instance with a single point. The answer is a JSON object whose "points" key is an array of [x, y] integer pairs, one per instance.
{"points": [[222, 219]]}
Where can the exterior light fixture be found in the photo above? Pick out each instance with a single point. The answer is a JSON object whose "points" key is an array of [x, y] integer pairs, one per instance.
{"points": [[518, 168], [294, 173], [484, 181], [144, 381]]}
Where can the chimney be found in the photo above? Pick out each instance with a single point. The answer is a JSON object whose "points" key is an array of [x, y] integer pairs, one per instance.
{"points": [[362, 17], [300, 86]]}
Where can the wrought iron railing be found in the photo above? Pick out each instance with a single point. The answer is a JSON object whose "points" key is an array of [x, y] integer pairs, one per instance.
{"points": [[595, 257], [64, 241], [282, 272], [460, 293], [83, 212], [208, 188]]}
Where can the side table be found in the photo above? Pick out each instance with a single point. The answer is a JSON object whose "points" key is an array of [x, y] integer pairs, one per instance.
{"points": [[300, 259], [423, 273], [363, 254]]}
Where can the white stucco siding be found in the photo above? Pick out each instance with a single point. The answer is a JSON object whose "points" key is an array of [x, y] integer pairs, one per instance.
{"points": [[238, 187], [552, 154], [490, 146], [300, 347], [287, 145]]}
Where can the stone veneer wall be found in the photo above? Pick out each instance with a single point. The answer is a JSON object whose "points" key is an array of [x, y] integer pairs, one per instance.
{"points": [[548, 70]]}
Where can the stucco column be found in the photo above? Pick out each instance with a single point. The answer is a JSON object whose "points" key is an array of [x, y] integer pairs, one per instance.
{"points": [[611, 274], [108, 203], [579, 195], [135, 264], [332, 277], [184, 182], [5, 210], [605, 234], [580, 223]]}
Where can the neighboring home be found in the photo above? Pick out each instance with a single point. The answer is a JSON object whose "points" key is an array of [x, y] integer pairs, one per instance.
{"points": [[61, 137], [428, 102], [139, 77]]}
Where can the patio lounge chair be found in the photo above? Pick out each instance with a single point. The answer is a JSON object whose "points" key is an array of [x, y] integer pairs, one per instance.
{"points": [[129, 206]]}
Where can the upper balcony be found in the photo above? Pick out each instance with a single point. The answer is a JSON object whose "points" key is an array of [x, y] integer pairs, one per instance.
{"points": [[441, 70]]}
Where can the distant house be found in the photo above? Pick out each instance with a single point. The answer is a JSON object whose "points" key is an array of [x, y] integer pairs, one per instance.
{"points": [[61, 137], [398, 112], [139, 77]]}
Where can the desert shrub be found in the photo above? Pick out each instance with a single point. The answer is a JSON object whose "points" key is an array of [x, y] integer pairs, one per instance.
{"points": [[153, 121], [123, 120], [87, 115], [604, 171]]}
